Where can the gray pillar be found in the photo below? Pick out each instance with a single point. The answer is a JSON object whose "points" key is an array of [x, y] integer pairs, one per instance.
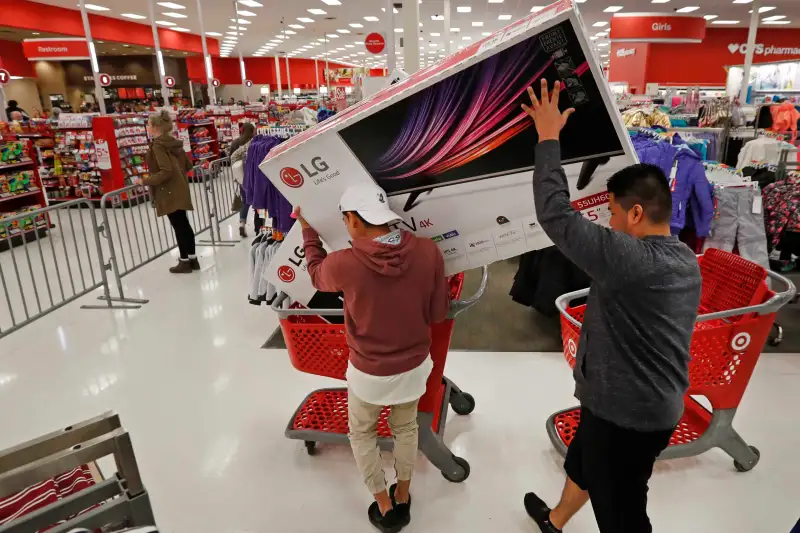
{"points": [[98, 90], [751, 46], [327, 70], [411, 36], [278, 73], [316, 72], [245, 98], [446, 32], [391, 60], [159, 57], [212, 92]]}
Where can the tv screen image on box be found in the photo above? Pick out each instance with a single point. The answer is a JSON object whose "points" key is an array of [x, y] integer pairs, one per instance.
{"points": [[470, 125]]}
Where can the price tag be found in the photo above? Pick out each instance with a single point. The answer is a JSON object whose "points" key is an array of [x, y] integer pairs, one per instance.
{"points": [[757, 203], [103, 154]]}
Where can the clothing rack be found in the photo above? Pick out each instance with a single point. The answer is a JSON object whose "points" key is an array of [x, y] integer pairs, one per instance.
{"points": [[721, 133], [784, 164], [283, 132]]}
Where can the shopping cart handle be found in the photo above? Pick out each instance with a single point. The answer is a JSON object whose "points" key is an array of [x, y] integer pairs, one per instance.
{"points": [[456, 306], [459, 306], [563, 301], [778, 300]]}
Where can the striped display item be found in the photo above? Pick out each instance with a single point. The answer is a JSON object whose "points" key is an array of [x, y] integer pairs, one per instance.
{"points": [[47, 492]]}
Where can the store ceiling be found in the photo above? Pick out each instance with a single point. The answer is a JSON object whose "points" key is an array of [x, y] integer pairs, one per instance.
{"points": [[265, 21]]}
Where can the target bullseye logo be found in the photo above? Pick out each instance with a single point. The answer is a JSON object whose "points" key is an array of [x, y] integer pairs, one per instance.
{"points": [[286, 274], [740, 341], [105, 80], [572, 348], [292, 177]]}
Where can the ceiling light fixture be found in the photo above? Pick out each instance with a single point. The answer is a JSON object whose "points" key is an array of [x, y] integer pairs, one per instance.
{"points": [[455, 30], [724, 22], [612, 9], [398, 30], [486, 33], [504, 17], [464, 9], [332, 2], [355, 25], [177, 28], [133, 16], [246, 13], [371, 19], [536, 9], [711, 17], [95, 7], [477, 24], [305, 19], [343, 30], [600, 24], [742, 1], [165, 23], [290, 32], [435, 34], [773, 17], [171, 5], [316, 11], [777, 21], [688, 9], [765, 9], [213, 34], [437, 17], [251, 3], [660, 1], [495, 1], [174, 15], [297, 26]]}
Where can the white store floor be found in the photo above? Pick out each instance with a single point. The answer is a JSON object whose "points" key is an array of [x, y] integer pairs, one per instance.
{"points": [[207, 409]]}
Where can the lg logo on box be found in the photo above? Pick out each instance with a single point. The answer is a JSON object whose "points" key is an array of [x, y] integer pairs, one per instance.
{"points": [[660, 26], [286, 274], [294, 178]]}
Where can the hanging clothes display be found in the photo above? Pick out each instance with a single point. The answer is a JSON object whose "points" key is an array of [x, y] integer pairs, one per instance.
{"points": [[782, 207], [259, 191], [645, 117], [691, 191], [262, 251], [764, 149], [739, 220]]}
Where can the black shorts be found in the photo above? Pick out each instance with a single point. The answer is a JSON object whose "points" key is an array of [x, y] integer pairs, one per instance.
{"points": [[614, 464]]}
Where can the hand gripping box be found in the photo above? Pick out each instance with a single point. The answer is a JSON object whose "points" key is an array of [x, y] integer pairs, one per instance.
{"points": [[455, 152]]}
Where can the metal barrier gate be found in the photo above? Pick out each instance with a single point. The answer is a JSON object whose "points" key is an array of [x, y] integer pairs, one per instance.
{"points": [[54, 256], [39, 277]]}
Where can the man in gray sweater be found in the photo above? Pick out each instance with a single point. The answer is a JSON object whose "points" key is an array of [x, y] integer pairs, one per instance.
{"points": [[631, 371]]}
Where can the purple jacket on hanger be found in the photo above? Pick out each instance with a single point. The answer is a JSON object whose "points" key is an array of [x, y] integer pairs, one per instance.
{"points": [[690, 187], [259, 192]]}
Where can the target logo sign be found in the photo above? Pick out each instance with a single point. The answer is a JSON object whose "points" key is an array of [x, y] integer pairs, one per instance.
{"points": [[169, 81], [291, 177], [740, 341], [248, 83], [286, 274], [215, 82], [105, 80], [572, 348], [5, 76]]}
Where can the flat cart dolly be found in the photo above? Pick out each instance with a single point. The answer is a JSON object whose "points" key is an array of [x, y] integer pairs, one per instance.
{"points": [[317, 347], [737, 311]]}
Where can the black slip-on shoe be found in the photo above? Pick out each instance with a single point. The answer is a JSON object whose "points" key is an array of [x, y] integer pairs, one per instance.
{"points": [[388, 523], [403, 510], [540, 512]]}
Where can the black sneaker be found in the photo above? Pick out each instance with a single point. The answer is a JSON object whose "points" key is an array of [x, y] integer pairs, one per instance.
{"points": [[388, 523], [242, 232], [403, 510], [540, 512]]}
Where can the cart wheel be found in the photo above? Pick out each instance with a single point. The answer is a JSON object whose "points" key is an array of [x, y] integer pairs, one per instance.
{"points": [[462, 403], [742, 468], [778, 337], [311, 447], [462, 474]]}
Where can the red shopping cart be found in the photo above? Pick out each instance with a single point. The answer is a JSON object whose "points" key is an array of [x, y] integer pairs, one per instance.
{"points": [[737, 310], [318, 347]]}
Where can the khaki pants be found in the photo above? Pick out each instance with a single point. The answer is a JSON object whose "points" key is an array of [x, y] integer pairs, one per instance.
{"points": [[363, 419]]}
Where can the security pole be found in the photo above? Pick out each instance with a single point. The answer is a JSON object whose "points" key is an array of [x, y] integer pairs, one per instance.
{"points": [[98, 89], [751, 47], [212, 92], [446, 33], [289, 77], [159, 57], [278, 74], [316, 71]]}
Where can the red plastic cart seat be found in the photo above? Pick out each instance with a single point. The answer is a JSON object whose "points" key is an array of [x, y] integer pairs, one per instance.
{"points": [[729, 282], [691, 427]]}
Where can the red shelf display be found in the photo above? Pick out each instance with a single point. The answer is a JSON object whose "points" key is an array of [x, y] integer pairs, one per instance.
{"points": [[21, 191], [199, 135]]}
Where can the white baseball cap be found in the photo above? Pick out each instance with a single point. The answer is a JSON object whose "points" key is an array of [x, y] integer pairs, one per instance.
{"points": [[370, 202]]}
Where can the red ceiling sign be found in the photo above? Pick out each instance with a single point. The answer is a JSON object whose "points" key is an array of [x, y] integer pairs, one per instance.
{"points": [[654, 28], [55, 49], [375, 43]]}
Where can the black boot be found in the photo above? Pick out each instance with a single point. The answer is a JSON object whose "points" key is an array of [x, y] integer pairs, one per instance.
{"points": [[387, 523], [195, 263], [183, 267], [540, 512], [242, 232], [403, 510]]}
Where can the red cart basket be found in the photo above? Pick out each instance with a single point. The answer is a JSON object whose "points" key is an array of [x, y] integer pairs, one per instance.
{"points": [[317, 347], [737, 310]]}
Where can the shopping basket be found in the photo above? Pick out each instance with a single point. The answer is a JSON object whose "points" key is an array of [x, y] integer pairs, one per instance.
{"points": [[318, 347], [737, 311]]}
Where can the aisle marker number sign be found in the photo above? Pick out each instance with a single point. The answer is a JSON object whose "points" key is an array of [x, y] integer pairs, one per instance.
{"points": [[215, 82], [5, 76], [105, 80], [169, 81]]}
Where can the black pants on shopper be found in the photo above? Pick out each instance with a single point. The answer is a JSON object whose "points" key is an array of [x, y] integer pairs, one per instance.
{"points": [[184, 233], [615, 464]]}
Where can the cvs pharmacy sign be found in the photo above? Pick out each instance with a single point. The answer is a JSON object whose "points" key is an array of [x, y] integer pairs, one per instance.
{"points": [[763, 50]]}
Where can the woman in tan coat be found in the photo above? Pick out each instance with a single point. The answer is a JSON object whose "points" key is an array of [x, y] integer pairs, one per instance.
{"points": [[169, 183]]}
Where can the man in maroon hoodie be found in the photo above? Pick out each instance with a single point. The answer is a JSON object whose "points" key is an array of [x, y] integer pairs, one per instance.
{"points": [[394, 289]]}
